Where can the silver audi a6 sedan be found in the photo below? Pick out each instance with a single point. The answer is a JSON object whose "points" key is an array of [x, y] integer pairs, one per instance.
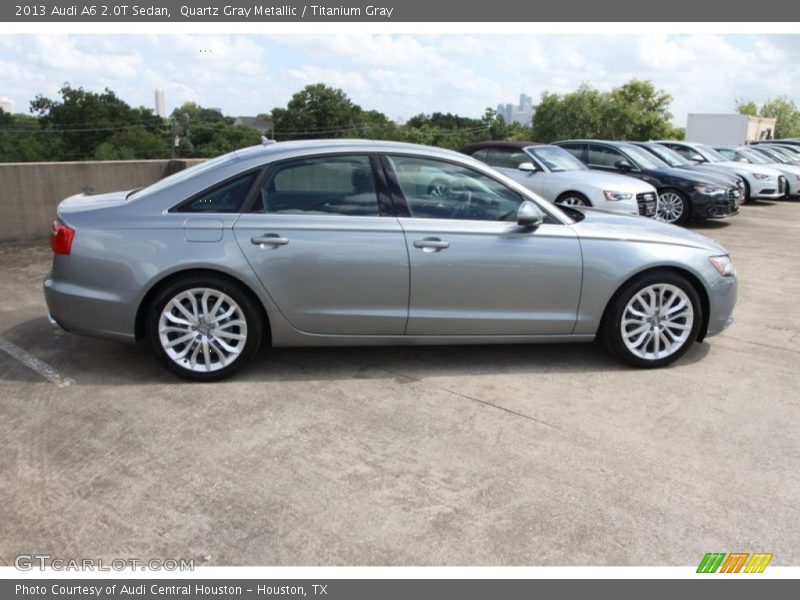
{"points": [[343, 242]]}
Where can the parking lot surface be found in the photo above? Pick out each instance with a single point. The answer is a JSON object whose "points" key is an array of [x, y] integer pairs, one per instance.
{"points": [[494, 455]]}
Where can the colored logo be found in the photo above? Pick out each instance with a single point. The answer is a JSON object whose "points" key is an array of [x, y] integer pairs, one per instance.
{"points": [[735, 562]]}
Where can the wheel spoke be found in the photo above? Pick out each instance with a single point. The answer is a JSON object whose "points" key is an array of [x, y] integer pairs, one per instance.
{"points": [[202, 344]]}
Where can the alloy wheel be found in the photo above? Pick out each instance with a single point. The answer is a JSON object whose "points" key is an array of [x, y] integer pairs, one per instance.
{"points": [[670, 207], [571, 201], [202, 329], [657, 321]]}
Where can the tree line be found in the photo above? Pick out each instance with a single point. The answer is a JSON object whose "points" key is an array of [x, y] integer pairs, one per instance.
{"points": [[84, 125]]}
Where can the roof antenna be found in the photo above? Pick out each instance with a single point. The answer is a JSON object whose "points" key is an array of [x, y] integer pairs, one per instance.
{"points": [[265, 141]]}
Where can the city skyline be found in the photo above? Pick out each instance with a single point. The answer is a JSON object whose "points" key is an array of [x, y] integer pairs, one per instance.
{"points": [[399, 75]]}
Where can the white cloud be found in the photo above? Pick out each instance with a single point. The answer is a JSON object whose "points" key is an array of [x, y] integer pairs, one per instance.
{"points": [[400, 75]]}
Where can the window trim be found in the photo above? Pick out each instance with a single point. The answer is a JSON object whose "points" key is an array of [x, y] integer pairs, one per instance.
{"points": [[401, 205], [245, 201], [383, 197]]}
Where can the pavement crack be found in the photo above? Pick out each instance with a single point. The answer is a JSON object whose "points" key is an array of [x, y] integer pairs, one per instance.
{"points": [[472, 398]]}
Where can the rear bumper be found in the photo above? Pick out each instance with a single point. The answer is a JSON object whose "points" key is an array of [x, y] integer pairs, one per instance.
{"points": [[103, 313]]}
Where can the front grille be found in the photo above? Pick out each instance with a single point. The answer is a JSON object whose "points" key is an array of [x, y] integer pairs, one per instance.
{"points": [[734, 200], [647, 202]]}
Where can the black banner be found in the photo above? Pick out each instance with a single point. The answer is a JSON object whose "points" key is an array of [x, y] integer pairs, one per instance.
{"points": [[386, 11], [713, 586]]}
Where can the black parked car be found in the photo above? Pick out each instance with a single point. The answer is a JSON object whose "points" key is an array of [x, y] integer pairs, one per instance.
{"points": [[682, 194], [675, 160]]}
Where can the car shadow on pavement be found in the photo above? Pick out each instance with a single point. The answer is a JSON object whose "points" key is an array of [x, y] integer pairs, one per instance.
{"points": [[92, 361]]}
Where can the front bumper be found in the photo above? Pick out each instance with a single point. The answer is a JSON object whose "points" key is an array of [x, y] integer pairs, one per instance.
{"points": [[722, 295], [716, 206], [769, 189]]}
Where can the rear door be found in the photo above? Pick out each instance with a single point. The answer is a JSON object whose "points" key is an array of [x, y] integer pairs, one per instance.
{"points": [[324, 241]]}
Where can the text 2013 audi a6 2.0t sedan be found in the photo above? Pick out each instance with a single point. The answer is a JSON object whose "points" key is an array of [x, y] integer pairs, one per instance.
{"points": [[342, 242]]}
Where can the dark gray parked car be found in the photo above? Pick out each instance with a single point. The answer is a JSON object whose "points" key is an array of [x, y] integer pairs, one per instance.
{"points": [[362, 243]]}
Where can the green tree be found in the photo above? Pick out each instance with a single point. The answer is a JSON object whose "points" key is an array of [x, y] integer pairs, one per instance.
{"points": [[23, 139], [783, 109], [133, 143], [86, 119], [206, 132], [318, 111], [633, 111]]}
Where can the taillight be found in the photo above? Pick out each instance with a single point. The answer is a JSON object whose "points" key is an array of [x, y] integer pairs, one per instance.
{"points": [[61, 238]]}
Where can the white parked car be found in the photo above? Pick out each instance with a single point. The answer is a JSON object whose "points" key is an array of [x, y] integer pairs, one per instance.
{"points": [[745, 154], [559, 177], [759, 181]]}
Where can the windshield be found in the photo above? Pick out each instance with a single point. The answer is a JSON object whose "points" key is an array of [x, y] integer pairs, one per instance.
{"points": [[711, 154], [183, 175], [754, 157], [770, 155], [668, 155], [556, 159], [644, 160]]}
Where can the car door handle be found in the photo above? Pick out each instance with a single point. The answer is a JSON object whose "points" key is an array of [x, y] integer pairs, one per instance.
{"points": [[431, 244], [269, 239]]}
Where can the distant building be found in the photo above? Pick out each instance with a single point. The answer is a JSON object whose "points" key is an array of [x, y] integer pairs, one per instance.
{"points": [[263, 126], [522, 113], [161, 106], [6, 104]]}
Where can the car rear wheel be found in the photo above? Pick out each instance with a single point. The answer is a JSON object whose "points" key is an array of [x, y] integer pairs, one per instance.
{"points": [[204, 328], [653, 320], [673, 207], [573, 199]]}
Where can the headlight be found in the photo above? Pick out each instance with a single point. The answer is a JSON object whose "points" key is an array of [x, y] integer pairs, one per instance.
{"points": [[723, 265], [708, 190], [761, 176], [617, 196]]}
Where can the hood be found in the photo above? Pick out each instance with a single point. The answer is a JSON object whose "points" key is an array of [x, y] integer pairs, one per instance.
{"points": [[696, 177], [722, 174], [614, 226], [606, 181], [749, 168], [83, 202]]}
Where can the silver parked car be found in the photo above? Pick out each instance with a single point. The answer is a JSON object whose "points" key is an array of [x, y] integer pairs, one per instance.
{"points": [[342, 242], [559, 177]]}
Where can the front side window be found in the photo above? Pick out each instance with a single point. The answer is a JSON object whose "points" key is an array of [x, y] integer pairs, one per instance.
{"points": [[602, 156], [556, 159], [575, 149], [329, 185], [508, 158], [224, 198], [436, 189]]}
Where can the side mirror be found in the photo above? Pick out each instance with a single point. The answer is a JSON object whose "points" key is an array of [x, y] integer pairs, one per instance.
{"points": [[697, 158], [528, 167], [529, 215], [624, 166]]}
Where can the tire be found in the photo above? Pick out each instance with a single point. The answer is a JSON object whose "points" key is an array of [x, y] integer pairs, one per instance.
{"points": [[573, 199], [634, 341], [746, 193], [673, 206], [226, 336]]}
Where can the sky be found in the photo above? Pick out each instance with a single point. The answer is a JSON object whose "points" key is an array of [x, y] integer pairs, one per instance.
{"points": [[399, 74]]}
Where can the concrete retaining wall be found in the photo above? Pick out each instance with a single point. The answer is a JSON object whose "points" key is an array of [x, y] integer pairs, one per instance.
{"points": [[30, 192]]}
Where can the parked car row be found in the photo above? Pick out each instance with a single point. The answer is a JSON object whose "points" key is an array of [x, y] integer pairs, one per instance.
{"points": [[668, 180]]}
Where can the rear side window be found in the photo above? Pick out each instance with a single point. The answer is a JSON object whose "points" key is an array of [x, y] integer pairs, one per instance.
{"points": [[226, 197], [330, 185], [603, 157], [575, 149]]}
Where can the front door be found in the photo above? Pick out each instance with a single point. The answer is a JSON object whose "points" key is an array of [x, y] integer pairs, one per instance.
{"points": [[474, 271]]}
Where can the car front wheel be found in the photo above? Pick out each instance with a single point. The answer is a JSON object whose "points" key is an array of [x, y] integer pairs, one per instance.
{"points": [[673, 207], [653, 320], [204, 328]]}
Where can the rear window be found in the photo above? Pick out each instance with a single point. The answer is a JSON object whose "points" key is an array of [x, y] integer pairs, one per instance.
{"points": [[226, 197]]}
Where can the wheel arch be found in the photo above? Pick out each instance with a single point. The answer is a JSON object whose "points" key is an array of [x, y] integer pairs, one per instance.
{"points": [[573, 192], [141, 310], [693, 279]]}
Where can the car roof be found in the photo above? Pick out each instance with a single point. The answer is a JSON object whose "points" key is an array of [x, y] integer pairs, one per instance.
{"points": [[517, 145]]}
